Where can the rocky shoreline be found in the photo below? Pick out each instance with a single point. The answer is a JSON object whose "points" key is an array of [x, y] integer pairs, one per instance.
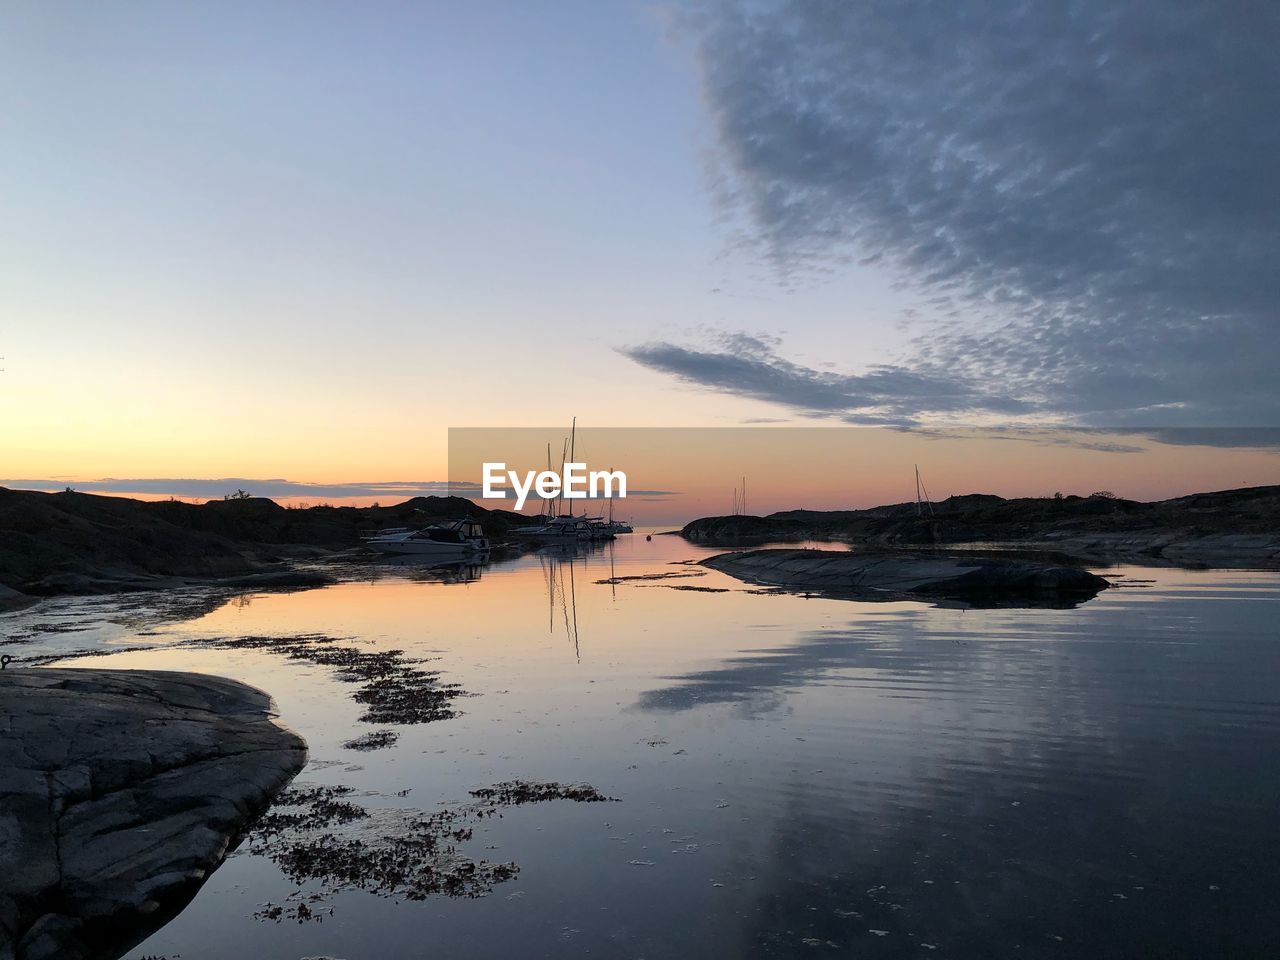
{"points": [[120, 791], [974, 581], [1229, 528], [55, 544]]}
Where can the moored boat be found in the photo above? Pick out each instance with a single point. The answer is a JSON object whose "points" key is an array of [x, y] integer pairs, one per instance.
{"points": [[461, 538], [566, 529]]}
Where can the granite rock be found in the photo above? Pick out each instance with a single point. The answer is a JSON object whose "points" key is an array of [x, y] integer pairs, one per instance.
{"points": [[120, 791]]}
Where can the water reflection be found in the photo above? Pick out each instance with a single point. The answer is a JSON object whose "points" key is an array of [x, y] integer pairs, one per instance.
{"points": [[998, 786], [559, 563], [798, 777], [554, 569], [422, 570]]}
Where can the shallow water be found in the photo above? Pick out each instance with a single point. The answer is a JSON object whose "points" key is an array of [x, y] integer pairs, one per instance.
{"points": [[798, 776]]}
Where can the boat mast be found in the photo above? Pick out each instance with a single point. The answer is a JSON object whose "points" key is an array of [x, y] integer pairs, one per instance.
{"points": [[564, 450], [545, 511], [920, 488], [573, 436]]}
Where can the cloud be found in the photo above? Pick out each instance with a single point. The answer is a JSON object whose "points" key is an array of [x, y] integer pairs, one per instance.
{"points": [[1078, 439], [393, 490], [1090, 191], [217, 488], [749, 366], [1250, 438]]}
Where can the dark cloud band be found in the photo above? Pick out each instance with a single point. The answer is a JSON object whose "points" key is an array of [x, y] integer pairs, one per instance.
{"points": [[1090, 190]]}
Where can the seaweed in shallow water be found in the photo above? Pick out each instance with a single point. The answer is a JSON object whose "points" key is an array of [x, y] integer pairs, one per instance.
{"points": [[377, 740], [314, 836], [308, 808], [512, 793], [392, 688]]}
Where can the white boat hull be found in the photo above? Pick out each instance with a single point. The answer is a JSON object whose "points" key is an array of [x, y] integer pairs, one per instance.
{"points": [[461, 540]]}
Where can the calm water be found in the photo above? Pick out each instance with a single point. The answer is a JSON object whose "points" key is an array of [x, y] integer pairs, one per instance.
{"points": [[799, 777]]}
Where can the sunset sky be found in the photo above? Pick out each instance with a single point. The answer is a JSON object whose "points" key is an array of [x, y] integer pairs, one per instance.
{"points": [[302, 240]]}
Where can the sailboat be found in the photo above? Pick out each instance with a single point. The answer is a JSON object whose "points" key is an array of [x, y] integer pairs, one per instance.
{"points": [[616, 527], [922, 496], [565, 527]]}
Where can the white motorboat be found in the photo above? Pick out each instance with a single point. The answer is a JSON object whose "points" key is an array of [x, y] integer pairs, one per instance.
{"points": [[368, 535], [459, 539]]}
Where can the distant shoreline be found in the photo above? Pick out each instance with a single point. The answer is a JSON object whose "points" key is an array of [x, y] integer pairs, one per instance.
{"points": [[69, 543], [54, 544], [1228, 528]]}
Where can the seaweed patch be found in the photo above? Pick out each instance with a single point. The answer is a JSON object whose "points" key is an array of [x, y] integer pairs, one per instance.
{"points": [[512, 793], [392, 687], [376, 740], [317, 837]]}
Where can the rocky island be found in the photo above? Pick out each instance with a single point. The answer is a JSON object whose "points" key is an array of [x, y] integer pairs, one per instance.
{"points": [[120, 791], [1227, 528], [975, 581]]}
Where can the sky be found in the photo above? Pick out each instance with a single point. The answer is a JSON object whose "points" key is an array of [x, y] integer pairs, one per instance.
{"points": [[303, 240]]}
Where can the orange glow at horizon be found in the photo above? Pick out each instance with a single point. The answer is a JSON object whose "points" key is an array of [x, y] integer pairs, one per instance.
{"points": [[821, 468], [825, 468]]}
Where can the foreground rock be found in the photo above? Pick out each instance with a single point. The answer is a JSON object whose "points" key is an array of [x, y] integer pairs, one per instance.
{"points": [[13, 600], [889, 576], [119, 792]]}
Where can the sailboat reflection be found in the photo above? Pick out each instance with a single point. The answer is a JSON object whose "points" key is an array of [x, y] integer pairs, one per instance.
{"points": [[553, 569], [559, 568]]}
